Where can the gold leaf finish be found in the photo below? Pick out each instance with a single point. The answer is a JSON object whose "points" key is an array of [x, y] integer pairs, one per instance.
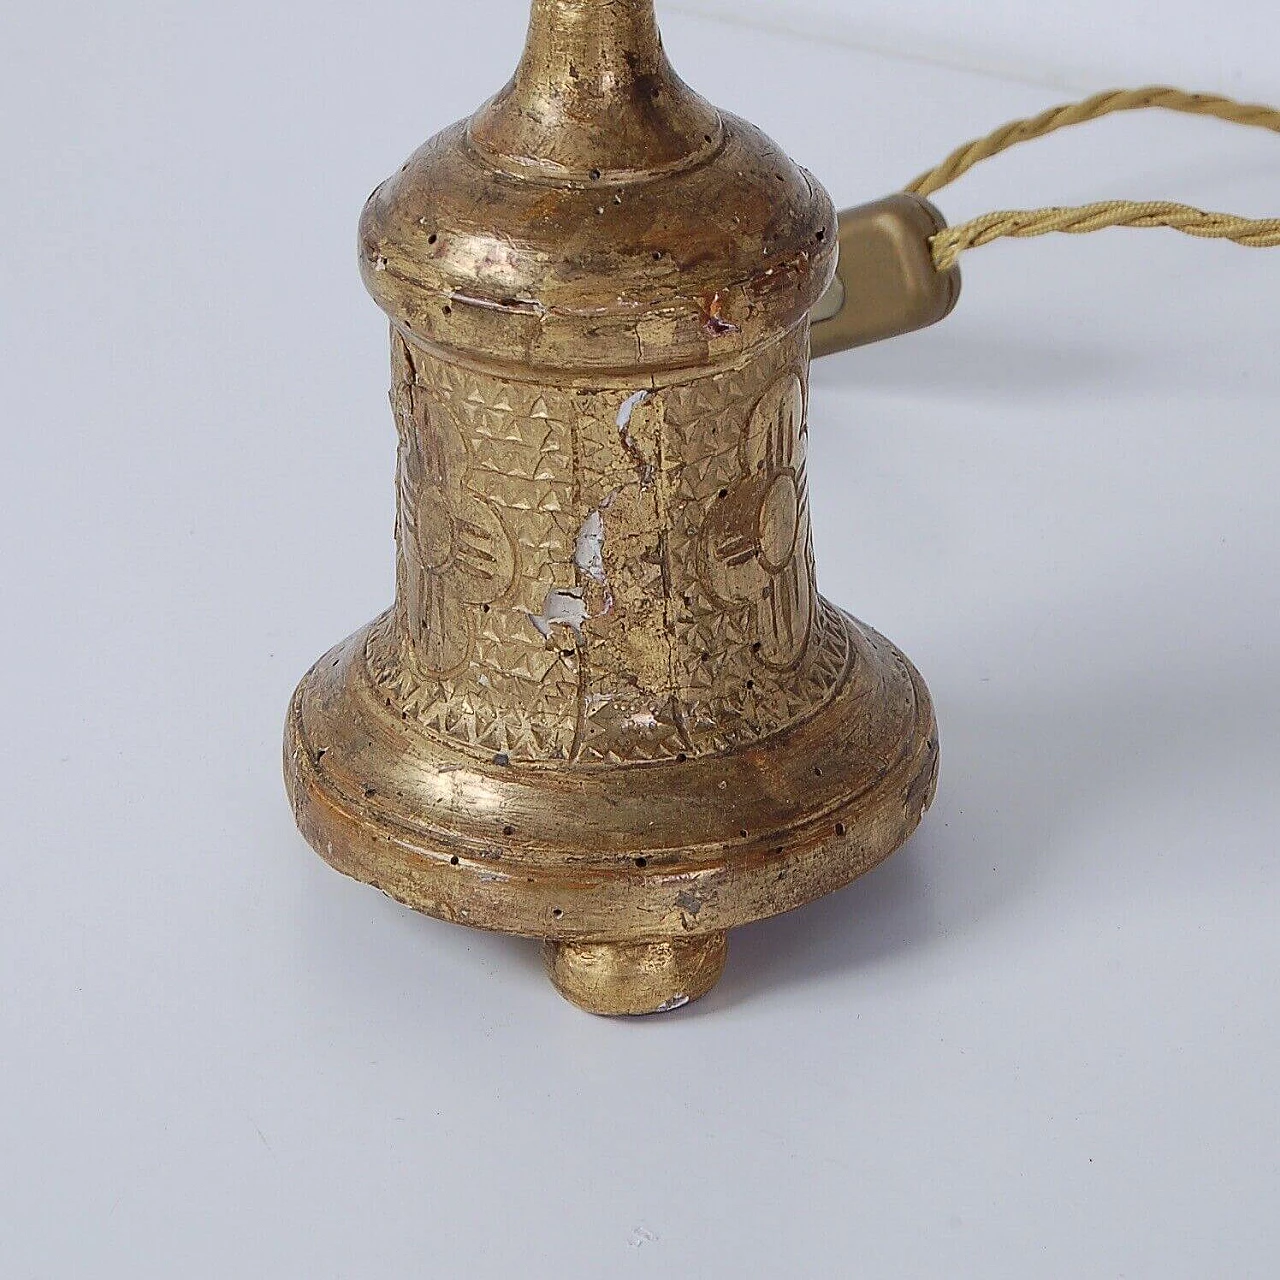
{"points": [[609, 707]]}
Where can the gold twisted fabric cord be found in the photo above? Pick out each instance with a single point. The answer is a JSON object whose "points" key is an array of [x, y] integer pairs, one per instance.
{"points": [[1258, 233]]}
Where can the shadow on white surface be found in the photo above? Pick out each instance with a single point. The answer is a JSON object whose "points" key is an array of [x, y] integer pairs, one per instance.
{"points": [[1049, 783]]}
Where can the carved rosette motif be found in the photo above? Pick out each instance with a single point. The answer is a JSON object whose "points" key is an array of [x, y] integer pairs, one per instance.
{"points": [[502, 476], [605, 576], [755, 544], [454, 550], [759, 647]]}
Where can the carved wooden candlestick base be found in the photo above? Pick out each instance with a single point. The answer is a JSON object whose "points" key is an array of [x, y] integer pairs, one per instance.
{"points": [[609, 708]]}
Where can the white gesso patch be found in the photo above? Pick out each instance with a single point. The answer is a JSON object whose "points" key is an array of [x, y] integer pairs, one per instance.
{"points": [[588, 551], [564, 605], [628, 407], [644, 465]]}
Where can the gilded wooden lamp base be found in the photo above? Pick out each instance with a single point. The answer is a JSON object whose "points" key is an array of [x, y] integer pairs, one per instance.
{"points": [[632, 875], [609, 708]]}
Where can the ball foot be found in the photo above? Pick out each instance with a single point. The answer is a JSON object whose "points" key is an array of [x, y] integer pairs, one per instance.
{"points": [[635, 977]]}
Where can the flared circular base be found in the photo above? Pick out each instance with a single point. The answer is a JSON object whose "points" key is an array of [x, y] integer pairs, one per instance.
{"points": [[599, 856]]}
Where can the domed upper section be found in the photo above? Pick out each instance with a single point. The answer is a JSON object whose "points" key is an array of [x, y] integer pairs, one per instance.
{"points": [[597, 217]]}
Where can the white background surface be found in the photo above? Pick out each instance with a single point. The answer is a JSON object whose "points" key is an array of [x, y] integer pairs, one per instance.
{"points": [[1230, 45], [1040, 1041]]}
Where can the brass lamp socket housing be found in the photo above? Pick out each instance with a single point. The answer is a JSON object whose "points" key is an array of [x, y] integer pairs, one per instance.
{"points": [[609, 708]]}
